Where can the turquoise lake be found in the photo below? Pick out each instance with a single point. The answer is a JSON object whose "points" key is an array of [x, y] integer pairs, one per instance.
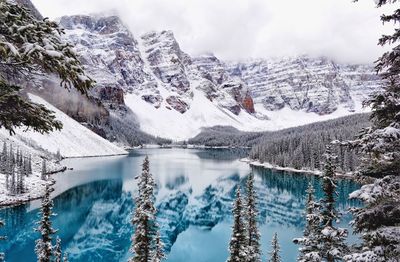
{"points": [[94, 201]]}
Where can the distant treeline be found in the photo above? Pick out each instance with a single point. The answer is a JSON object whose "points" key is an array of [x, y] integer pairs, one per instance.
{"points": [[297, 147], [304, 146], [225, 136]]}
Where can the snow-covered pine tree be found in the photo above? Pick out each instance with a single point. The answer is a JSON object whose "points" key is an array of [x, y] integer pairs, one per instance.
{"points": [[238, 242], [333, 245], [43, 174], [144, 217], [28, 46], [4, 159], [310, 242], [44, 245], [57, 252], [380, 142], [13, 182], [65, 257], [159, 249], [378, 220], [58, 155], [2, 255], [276, 249], [29, 165], [20, 186], [253, 234]]}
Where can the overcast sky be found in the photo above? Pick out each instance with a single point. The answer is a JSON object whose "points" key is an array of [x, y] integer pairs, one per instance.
{"points": [[239, 29]]}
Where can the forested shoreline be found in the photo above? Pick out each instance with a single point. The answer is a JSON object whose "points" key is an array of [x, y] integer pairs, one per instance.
{"points": [[298, 147], [303, 147]]}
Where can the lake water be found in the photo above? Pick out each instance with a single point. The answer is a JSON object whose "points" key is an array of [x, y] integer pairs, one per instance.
{"points": [[94, 202]]}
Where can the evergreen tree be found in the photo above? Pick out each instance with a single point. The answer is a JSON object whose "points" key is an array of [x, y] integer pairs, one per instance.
{"points": [[238, 243], [275, 252], [3, 159], [29, 165], [29, 46], [57, 251], [43, 175], [2, 256], [44, 246], [159, 249], [378, 220], [310, 242], [13, 183], [65, 257], [332, 238], [253, 235], [144, 245], [58, 155]]}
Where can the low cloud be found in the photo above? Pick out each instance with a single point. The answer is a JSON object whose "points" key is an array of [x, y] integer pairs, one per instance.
{"points": [[236, 29]]}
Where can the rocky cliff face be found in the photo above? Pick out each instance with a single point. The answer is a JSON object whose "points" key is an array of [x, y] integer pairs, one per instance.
{"points": [[316, 85], [196, 92], [154, 68]]}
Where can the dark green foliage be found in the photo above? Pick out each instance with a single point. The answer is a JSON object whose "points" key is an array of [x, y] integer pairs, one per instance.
{"points": [[329, 212], [332, 239], [302, 147], [378, 220], [29, 47], [44, 247], [310, 249], [253, 234], [225, 136], [17, 111], [146, 243], [276, 249], [238, 243]]}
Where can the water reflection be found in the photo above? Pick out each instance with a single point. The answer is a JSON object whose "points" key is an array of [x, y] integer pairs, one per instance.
{"points": [[194, 198]]}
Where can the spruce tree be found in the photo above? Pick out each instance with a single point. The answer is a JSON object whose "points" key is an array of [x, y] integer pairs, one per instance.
{"points": [[29, 165], [2, 255], [3, 159], [29, 46], [159, 249], [144, 238], [43, 175], [253, 235], [44, 246], [58, 155], [238, 243], [276, 249], [310, 249], [57, 251], [378, 220], [65, 257], [13, 183], [333, 246]]}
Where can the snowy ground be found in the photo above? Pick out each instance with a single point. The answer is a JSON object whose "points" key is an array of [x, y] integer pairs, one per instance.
{"points": [[34, 185], [290, 169], [74, 140], [171, 124]]}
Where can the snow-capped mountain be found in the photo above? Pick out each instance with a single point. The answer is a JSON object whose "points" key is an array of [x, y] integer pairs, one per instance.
{"points": [[303, 83], [174, 95]]}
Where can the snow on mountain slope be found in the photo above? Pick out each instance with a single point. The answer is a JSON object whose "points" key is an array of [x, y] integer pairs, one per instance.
{"points": [[169, 123], [74, 140], [174, 95]]}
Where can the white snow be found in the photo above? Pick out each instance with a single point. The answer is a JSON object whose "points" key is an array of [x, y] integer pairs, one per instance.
{"points": [[171, 124], [168, 123], [35, 187], [74, 140]]}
